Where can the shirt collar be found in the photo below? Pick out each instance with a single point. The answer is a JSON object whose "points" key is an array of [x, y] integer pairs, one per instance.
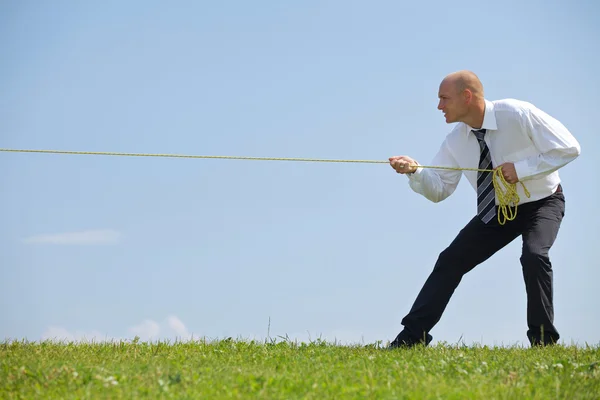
{"points": [[489, 118]]}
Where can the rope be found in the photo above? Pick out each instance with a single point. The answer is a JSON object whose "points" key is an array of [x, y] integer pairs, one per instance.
{"points": [[506, 192], [508, 197], [102, 153]]}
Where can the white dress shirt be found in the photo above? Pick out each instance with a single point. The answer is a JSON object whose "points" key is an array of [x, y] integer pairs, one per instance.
{"points": [[516, 132]]}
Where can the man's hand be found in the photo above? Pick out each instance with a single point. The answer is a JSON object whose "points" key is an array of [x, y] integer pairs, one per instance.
{"points": [[403, 164], [509, 172]]}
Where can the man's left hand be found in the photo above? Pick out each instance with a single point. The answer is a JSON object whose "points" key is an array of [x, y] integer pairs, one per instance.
{"points": [[509, 172]]}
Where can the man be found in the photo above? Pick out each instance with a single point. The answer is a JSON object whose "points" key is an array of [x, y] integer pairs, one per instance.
{"points": [[529, 146]]}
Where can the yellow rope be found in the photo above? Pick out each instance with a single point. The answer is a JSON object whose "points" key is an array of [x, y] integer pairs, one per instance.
{"points": [[103, 153], [508, 197], [506, 192]]}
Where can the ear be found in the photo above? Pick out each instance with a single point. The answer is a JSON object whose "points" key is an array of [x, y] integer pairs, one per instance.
{"points": [[468, 96]]}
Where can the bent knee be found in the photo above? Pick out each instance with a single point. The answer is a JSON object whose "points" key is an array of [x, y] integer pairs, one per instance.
{"points": [[534, 258]]}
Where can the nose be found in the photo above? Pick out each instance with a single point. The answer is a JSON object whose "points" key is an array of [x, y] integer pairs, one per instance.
{"points": [[440, 105]]}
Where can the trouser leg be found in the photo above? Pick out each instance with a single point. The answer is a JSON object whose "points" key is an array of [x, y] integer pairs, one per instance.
{"points": [[538, 237], [475, 243]]}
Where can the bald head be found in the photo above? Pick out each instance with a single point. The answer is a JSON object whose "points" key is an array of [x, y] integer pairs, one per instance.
{"points": [[461, 98], [462, 80]]}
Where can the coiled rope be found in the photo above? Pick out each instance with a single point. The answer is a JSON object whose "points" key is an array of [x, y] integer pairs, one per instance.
{"points": [[508, 197]]}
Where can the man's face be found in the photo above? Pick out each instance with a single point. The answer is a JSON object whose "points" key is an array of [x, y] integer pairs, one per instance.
{"points": [[452, 103]]}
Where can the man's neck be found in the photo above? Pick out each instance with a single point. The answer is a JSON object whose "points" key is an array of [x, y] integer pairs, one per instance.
{"points": [[475, 117]]}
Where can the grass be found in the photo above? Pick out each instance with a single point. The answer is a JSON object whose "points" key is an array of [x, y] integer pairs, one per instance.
{"points": [[288, 370]]}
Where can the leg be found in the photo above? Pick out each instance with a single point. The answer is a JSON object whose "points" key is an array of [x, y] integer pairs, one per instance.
{"points": [[474, 244], [538, 237]]}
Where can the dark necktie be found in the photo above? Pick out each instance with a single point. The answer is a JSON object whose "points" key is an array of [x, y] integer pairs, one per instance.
{"points": [[486, 205]]}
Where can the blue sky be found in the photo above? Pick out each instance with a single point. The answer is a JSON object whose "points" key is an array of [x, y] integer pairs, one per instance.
{"points": [[113, 247]]}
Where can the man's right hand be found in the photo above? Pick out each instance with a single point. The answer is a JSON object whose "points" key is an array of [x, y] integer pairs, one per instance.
{"points": [[403, 164]]}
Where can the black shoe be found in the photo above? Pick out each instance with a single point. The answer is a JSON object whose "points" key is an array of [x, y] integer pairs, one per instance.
{"points": [[405, 340], [401, 345], [537, 342], [542, 338]]}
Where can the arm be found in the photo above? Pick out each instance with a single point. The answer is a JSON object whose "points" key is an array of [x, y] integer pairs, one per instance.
{"points": [[434, 184], [556, 145]]}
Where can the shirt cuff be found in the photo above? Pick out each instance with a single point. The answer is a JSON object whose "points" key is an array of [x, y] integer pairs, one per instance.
{"points": [[415, 175], [522, 169]]}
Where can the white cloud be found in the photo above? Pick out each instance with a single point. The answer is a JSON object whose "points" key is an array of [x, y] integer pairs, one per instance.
{"points": [[178, 327], [90, 237], [147, 330], [60, 334]]}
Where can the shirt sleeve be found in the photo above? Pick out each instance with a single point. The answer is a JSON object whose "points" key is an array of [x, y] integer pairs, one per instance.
{"points": [[436, 184], [556, 145]]}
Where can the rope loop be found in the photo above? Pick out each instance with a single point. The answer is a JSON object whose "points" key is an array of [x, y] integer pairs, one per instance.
{"points": [[508, 197]]}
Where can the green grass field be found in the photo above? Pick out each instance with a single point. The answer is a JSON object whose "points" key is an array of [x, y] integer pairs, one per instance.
{"points": [[287, 370]]}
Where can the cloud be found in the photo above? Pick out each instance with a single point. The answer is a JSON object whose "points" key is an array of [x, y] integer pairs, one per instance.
{"points": [[90, 237], [178, 327], [148, 330], [60, 334]]}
